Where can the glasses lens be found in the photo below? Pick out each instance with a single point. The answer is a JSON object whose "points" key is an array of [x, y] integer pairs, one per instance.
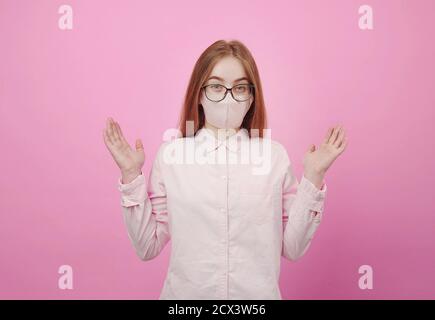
{"points": [[215, 92], [242, 92]]}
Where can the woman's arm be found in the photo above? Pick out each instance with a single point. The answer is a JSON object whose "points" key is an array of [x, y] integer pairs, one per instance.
{"points": [[302, 212], [303, 203], [145, 212]]}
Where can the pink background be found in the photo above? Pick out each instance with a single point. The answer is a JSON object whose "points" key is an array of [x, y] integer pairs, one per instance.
{"points": [[132, 60]]}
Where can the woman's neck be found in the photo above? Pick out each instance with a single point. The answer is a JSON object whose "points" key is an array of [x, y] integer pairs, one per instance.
{"points": [[215, 130]]}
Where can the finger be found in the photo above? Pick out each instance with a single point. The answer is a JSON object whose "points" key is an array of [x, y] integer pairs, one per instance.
{"points": [[116, 131], [114, 135], [121, 136], [106, 137], [110, 130], [343, 137], [328, 135], [139, 145], [334, 135], [339, 137], [343, 145]]}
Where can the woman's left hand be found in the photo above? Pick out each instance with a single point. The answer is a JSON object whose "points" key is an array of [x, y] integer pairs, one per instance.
{"points": [[318, 160]]}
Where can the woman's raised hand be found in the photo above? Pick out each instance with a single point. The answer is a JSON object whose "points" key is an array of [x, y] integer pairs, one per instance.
{"points": [[318, 160], [129, 160]]}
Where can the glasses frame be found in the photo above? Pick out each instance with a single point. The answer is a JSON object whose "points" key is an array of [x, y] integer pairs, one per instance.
{"points": [[251, 86]]}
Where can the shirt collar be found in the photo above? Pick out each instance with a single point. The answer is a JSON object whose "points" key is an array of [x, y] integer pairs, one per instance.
{"points": [[211, 142]]}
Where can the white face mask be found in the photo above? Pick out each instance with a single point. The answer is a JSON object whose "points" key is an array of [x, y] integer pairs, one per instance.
{"points": [[225, 114]]}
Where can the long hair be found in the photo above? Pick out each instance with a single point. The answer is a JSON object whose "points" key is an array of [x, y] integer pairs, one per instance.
{"points": [[192, 110]]}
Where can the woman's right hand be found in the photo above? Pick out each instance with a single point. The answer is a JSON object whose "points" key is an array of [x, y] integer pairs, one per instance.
{"points": [[128, 160]]}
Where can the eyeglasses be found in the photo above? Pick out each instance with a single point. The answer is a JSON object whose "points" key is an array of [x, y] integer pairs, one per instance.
{"points": [[218, 92]]}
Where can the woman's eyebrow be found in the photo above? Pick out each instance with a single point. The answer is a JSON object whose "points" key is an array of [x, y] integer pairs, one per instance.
{"points": [[220, 79]]}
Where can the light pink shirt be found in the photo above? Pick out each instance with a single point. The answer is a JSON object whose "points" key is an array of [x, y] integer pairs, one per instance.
{"points": [[228, 226]]}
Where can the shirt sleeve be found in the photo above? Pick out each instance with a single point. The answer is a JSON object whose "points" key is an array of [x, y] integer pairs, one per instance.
{"points": [[145, 212], [302, 212]]}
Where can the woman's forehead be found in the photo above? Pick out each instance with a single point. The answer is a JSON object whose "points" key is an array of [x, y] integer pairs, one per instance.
{"points": [[228, 69]]}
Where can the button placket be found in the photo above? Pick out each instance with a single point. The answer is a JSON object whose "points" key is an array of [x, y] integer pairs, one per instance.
{"points": [[227, 222]]}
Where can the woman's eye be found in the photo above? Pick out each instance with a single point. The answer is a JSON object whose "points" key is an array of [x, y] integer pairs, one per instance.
{"points": [[216, 87], [241, 89]]}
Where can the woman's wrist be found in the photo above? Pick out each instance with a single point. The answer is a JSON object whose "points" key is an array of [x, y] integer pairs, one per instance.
{"points": [[315, 177], [129, 175]]}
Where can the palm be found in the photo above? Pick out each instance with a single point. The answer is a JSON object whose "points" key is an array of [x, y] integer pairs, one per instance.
{"points": [[124, 155], [320, 159]]}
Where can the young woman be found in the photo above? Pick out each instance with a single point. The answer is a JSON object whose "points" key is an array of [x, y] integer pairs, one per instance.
{"points": [[228, 223]]}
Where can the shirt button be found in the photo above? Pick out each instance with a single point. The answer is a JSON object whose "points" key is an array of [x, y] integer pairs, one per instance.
{"points": [[222, 209], [224, 177]]}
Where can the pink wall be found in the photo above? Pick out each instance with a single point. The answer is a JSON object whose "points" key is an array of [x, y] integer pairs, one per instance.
{"points": [[132, 60]]}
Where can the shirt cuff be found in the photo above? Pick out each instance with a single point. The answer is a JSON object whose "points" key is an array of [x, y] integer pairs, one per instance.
{"points": [[312, 196], [134, 192]]}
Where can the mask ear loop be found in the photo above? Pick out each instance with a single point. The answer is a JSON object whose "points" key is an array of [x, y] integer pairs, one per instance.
{"points": [[226, 125]]}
